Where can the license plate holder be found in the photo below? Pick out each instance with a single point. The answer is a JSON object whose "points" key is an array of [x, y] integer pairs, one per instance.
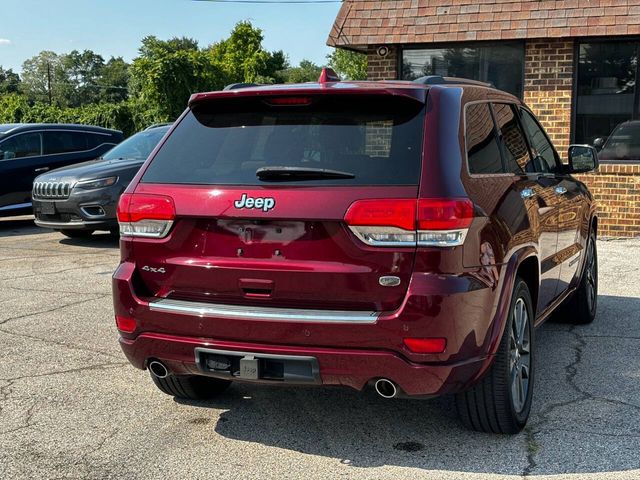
{"points": [[48, 208], [249, 368]]}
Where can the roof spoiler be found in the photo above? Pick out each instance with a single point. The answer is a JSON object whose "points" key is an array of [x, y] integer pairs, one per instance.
{"points": [[235, 86], [440, 80]]}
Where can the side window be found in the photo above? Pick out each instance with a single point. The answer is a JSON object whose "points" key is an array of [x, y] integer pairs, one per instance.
{"points": [[483, 152], [64, 142], [94, 140], [20, 146], [514, 144], [545, 158]]}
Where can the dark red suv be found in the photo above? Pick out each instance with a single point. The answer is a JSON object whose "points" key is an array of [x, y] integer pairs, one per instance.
{"points": [[407, 236]]}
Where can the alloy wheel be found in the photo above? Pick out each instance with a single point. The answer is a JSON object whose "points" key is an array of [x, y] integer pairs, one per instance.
{"points": [[520, 355]]}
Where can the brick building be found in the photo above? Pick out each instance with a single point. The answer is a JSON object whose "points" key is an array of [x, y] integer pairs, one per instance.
{"points": [[574, 62]]}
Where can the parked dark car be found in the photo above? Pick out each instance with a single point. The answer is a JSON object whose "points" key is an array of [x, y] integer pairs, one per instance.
{"points": [[27, 150], [406, 236], [623, 144], [80, 199]]}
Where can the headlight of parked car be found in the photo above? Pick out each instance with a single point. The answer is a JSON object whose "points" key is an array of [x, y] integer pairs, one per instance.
{"points": [[99, 183]]}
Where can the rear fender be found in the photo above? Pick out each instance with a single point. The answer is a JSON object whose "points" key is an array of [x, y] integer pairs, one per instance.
{"points": [[502, 311]]}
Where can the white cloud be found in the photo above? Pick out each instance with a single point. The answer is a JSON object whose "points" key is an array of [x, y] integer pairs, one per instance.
{"points": [[5, 41]]}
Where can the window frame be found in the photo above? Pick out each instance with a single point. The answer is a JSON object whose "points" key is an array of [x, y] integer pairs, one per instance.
{"points": [[635, 115], [41, 132], [19, 134], [481, 43], [490, 103]]}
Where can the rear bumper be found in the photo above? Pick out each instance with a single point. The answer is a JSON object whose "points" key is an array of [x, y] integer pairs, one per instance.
{"points": [[459, 308], [351, 368]]}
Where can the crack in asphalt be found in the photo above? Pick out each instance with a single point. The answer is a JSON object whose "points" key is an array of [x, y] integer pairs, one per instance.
{"points": [[58, 343], [571, 371], [46, 274], [100, 366], [31, 289], [52, 309]]}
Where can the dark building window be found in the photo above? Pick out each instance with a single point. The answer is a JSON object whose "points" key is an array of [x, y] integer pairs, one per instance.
{"points": [[606, 108], [499, 63]]}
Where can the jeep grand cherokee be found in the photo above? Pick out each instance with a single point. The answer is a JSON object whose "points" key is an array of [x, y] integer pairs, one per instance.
{"points": [[404, 236]]}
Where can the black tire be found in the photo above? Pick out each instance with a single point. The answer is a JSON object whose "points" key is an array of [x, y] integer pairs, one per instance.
{"points": [[581, 307], [495, 404], [76, 233], [191, 387]]}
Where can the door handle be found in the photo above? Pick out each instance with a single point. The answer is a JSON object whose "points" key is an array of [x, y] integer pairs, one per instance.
{"points": [[42, 169], [527, 193], [560, 190]]}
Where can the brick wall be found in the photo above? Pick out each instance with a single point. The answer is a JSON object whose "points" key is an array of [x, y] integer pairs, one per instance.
{"points": [[616, 189], [548, 83], [382, 68]]}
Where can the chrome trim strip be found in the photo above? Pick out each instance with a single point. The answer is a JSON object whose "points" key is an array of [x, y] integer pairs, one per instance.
{"points": [[203, 309]]}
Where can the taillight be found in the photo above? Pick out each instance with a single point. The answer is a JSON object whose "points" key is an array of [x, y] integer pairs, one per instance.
{"points": [[409, 222], [383, 222], [141, 215], [443, 222]]}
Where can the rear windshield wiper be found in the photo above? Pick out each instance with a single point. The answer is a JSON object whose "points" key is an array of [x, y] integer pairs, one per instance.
{"points": [[299, 173]]}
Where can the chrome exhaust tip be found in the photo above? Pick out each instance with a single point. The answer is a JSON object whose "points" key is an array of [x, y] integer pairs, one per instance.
{"points": [[158, 369], [386, 388]]}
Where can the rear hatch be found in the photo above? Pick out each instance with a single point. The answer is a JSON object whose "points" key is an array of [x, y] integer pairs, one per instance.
{"points": [[260, 188]]}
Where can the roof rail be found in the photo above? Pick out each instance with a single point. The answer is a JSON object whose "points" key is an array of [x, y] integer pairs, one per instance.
{"points": [[235, 86], [440, 80]]}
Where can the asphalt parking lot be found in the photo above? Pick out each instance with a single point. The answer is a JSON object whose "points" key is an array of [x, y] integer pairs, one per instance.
{"points": [[71, 407]]}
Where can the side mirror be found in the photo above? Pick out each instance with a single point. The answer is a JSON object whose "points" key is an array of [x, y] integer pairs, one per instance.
{"points": [[598, 143], [582, 158]]}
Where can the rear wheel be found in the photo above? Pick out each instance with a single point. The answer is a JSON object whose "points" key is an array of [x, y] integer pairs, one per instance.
{"points": [[76, 233], [191, 387], [501, 401], [581, 308]]}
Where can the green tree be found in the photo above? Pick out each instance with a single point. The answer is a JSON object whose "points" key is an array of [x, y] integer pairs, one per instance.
{"points": [[9, 81], [44, 79], [242, 57], [167, 72], [307, 71], [348, 64], [114, 80], [83, 71]]}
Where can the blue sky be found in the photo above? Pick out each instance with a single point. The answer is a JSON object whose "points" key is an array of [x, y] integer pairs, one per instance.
{"points": [[115, 27]]}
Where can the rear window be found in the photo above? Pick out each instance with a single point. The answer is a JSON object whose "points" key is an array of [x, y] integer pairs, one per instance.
{"points": [[377, 139]]}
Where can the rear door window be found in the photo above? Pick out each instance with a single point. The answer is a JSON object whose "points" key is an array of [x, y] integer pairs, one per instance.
{"points": [[376, 139], [483, 152], [513, 143], [56, 142], [20, 146]]}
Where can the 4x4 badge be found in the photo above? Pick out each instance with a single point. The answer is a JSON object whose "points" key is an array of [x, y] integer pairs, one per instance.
{"points": [[265, 203]]}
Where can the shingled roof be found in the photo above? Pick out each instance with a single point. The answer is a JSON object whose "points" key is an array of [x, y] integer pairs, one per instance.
{"points": [[361, 23]]}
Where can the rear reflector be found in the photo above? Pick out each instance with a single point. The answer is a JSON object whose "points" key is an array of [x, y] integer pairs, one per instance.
{"points": [[126, 325], [141, 215], [409, 222], [426, 345]]}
